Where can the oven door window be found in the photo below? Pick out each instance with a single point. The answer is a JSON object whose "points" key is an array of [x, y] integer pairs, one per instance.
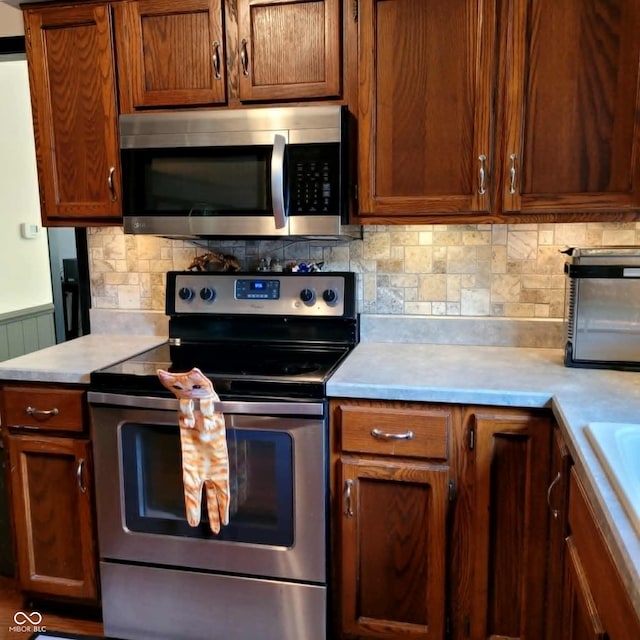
{"points": [[261, 485], [198, 181]]}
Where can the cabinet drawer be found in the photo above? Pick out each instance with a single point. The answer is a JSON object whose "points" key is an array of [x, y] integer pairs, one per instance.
{"points": [[419, 433], [47, 409]]}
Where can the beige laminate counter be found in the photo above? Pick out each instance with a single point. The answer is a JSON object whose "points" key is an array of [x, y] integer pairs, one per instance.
{"points": [[72, 362], [517, 377]]}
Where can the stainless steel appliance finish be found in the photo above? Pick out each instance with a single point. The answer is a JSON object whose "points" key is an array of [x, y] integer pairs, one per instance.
{"points": [[603, 310], [252, 172], [268, 342]]}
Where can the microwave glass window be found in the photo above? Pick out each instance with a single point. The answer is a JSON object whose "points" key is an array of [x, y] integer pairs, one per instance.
{"points": [[202, 182], [260, 479]]}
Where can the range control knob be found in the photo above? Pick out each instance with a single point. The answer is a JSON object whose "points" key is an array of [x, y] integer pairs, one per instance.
{"points": [[207, 294], [186, 293], [308, 296], [330, 296]]}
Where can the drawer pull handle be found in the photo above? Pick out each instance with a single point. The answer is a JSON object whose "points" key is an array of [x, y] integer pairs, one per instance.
{"points": [[554, 512], [42, 413], [80, 476], [381, 435], [348, 510]]}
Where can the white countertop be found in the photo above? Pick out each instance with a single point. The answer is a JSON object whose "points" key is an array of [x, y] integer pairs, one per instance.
{"points": [[518, 377], [72, 362]]}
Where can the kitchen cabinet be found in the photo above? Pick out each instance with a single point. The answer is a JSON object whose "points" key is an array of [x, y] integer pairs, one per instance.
{"points": [[500, 524], [45, 432], [498, 112], [595, 603], [425, 77], [392, 498], [214, 53], [557, 503], [73, 95]]}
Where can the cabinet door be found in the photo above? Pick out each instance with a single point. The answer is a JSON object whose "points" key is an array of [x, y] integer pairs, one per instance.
{"points": [[572, 112], [288, 49], [52, 508], [557, 501], [424, 114], [172, 53], [509, 523], [393, 547], [580, 620], [73, 94]]}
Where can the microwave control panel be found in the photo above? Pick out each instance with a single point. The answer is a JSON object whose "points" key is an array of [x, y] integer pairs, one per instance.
{"points": [[314, 179]]}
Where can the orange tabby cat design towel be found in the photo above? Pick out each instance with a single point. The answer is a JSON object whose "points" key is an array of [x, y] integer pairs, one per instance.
{"points": [[203, 440]]}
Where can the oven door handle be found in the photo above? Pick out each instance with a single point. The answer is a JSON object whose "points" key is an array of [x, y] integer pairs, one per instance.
{"points": [[231, 407]]}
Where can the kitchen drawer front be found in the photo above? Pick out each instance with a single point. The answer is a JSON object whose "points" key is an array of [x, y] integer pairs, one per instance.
{"points": [[420, 433], [44, 409]]}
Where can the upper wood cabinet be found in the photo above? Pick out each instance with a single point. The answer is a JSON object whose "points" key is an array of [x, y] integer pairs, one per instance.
{"points": [[425, 85], [478, 111], [170, 53], [73, 96], [572, 117], [212, 53]]}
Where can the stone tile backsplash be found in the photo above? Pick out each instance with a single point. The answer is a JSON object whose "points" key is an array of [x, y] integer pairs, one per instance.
{"points": [[502, 271]]}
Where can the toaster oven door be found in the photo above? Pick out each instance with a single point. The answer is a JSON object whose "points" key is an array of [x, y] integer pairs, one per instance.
{"points": [[604, 318]]}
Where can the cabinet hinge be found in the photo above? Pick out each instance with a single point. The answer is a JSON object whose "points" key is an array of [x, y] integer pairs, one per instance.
{"points": [[472, 438], [355, 192], [355, 10], [452, 490]]}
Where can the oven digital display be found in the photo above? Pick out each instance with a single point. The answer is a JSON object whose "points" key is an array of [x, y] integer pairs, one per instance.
{"points": [[257, 289]]}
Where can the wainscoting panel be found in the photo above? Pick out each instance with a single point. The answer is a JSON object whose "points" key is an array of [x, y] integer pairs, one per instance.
{"points": [[26, 331]]}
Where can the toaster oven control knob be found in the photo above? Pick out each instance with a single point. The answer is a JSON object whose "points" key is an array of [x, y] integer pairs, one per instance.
{"points": [[330, 296], [308, 296], [186, 293], [207, 294]]}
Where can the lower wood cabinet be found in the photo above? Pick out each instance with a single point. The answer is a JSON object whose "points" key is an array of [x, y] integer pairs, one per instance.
{"points": [[51, 491], [506, 527], [441, 520], [595, 603]]}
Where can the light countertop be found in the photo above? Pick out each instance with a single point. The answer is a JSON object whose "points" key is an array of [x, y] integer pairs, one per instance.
{"points": [[72, 362], [517, 377]]}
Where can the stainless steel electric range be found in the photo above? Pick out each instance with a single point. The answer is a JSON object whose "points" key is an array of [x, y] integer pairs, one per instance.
{"points": [[268, 342]]}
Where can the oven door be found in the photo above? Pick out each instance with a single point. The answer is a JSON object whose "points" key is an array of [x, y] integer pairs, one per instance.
{"points": [[278, 483]]}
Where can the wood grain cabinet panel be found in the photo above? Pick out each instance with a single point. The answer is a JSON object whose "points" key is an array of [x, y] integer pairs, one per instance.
{"points": [[223, 53], [393, 549], [514, 111], [572, 105], [73, 95], [52, 510], [425, 80], [392, 497], [172, 53], [506, 532], [596, 603], [289, 49]]}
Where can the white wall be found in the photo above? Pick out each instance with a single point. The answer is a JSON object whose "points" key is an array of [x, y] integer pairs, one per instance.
{"points": [[25, 279], [10, 21]]}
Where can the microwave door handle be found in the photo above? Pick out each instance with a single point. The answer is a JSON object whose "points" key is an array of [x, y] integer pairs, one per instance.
{"points": [[277, 181]]}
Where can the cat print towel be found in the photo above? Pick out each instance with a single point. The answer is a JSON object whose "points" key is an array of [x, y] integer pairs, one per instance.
{"points": [[203, 441]]}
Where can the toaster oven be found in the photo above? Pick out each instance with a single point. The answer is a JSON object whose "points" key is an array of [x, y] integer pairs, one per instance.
{"points": [[603, 308]]}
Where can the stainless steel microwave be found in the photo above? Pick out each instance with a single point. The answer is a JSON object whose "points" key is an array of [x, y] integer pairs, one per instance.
{"points": [[256, 172], [603, 308]]}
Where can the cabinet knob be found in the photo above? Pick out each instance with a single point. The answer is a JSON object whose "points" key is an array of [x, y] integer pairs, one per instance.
{"points": [[554, 512], [112, 189], [512, 174], [482, 175], [80, 476]]}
